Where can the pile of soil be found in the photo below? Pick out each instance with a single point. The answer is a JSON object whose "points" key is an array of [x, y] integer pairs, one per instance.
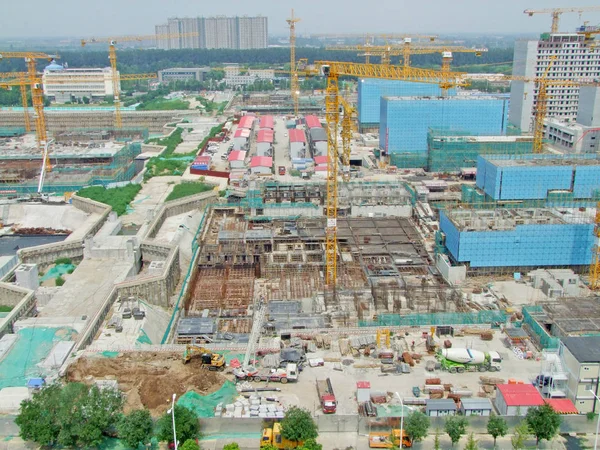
{"points": [[148, 379]]}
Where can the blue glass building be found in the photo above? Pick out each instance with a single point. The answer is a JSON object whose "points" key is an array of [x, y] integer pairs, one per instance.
{"points": [[532, 177], [405, 122], [371, 90], [517, 238]]}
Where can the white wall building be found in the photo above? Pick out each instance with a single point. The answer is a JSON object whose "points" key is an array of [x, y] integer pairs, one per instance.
{"points": [[62, 84], [237, 76], [298, 145], [182, 74], [576, 60]]}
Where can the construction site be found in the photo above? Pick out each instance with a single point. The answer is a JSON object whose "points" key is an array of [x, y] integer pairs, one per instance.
{"points": [[450, 268]]}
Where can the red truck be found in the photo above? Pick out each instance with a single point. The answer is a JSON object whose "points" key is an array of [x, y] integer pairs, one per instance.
{"points": [[326, 396]]}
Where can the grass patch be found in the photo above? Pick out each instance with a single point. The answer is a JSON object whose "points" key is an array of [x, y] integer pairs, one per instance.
{"points": [[171, 142], [187, 189], [161, 104], [5, 308], [117, 198], [59, 281], [58, 261]]}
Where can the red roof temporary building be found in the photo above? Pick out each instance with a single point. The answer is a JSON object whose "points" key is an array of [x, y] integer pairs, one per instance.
{"points": [[242, 133], [246, 122], [236, 155], [297, 135], [562, 405], [261, 161], [320, 160], [266, 122], [312, 122], [265, 136]]}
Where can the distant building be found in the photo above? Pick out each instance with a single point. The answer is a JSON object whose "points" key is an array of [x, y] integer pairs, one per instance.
{"points": [[213, 32], [237, 76], [182, 74], [62, 84], [405, 122], [575, 60]]}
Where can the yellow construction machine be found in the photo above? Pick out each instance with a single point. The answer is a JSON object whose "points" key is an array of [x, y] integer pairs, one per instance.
{"points": [[210, 360]]}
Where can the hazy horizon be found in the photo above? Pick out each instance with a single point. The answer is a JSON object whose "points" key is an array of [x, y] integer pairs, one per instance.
{"points": [[69, 18]]}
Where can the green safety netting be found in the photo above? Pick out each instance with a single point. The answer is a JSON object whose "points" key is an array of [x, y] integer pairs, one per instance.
{"points": [[204, 405], [31, 347], [57, 271]]}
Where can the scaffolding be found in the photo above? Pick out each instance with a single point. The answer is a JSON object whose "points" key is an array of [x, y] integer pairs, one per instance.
{"points": [[450, 151]]}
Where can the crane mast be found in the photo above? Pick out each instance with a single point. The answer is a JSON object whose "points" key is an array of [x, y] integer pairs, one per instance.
{"points": [[294, 85]]}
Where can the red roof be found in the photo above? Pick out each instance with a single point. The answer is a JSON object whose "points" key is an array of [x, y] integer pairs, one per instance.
{"points": [[265, 136], [246, 122], [297, 135], [312, 122], [236, 155], [321, 160], [321, 169], [363, 385], [562, 405], [520, 395], [242, 132], [266, 122], [261, 161]]}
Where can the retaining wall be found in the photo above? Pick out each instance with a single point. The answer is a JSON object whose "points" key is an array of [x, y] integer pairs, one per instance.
{"points": [[23, 301], [180, 206]]}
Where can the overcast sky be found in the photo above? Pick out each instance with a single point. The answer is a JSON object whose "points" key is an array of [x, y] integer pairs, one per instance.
{"points": [[84, 18]]}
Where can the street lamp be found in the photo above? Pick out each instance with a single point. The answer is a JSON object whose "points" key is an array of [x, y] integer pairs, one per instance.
{"points": [[172, 412], [598, 423], [401, 419]]}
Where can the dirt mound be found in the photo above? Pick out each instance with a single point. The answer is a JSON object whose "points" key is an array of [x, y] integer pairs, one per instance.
{"points": [[148, 379]]}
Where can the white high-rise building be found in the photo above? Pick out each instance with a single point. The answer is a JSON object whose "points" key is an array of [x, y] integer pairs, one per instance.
{"points": [[575, 60], [214, 32]]}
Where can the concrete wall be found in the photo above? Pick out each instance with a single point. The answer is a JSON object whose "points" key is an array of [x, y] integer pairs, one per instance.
{"points": [[44, 255], [23, 301], [156, 289], [179, 206]]}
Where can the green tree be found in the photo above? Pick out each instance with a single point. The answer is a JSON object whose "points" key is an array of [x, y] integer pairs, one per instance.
{"points": [[298, 425], [497, 426], [543, 422], [471, 443], [455, 426], [136, 428], [521, 434], [232, 446], [73, 415], [186, 425], [416, 425], [191, 444], [86, 100], [311, 444]]}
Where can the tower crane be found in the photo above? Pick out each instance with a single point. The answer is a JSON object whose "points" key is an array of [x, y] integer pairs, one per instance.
{"points": [[557, 12], [294, 85], [37, 95], [332, 70], [112, 56], [22, 76]]}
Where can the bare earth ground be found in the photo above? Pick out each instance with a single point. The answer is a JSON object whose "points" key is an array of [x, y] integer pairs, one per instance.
{"points": [[148, 379]]}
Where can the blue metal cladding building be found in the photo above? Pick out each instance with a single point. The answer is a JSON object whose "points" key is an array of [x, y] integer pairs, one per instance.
{"points": [[371, 90], [405, 121], [522, 245], [529, 177]]}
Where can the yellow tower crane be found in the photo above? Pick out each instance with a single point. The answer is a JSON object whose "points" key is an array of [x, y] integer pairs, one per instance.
{"points": [[332, 70], [22, 76], [112, 56], [37, 94], [557, 12], [294, 85]]}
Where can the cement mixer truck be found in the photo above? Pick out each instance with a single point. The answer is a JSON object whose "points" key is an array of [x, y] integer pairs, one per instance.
{"points": [[459, 360]]}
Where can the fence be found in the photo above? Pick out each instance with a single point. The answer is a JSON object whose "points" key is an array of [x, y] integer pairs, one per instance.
{"points": [[538, 332], [415, 320]]}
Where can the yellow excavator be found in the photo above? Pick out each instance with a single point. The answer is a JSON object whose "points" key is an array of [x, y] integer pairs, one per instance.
{"points": [[210, 360]]}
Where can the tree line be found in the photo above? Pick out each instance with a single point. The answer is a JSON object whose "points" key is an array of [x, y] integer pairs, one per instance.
{"points": [[142, 61]]}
